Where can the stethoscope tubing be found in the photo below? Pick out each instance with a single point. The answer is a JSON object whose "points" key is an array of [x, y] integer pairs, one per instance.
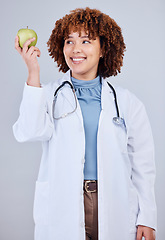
{"points": [[55, 96], [115, 99], [62, 86], [117, 120]]}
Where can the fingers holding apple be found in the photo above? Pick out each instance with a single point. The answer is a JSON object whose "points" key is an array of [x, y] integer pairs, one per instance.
{"points": [[25, 42], [24, 34], [34, 52], [24, 49], [17, 47], [30, 57], [25, 39], [26, 45]]}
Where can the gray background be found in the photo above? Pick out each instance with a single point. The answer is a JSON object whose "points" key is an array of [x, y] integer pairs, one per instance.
{"points": [[142, 23]]}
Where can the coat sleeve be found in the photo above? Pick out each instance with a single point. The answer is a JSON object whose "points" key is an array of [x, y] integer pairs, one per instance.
{"points": [[34, 122], [141, 153]]}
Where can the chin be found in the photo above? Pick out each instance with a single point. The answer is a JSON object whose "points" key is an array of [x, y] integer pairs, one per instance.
{"points": [[78, 72]]}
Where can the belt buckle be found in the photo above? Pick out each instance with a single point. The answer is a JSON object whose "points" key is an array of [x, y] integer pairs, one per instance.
{"points": [[86, 186]]}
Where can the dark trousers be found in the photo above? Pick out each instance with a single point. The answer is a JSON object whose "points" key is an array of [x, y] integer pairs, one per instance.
{"points": [[91, 215]]}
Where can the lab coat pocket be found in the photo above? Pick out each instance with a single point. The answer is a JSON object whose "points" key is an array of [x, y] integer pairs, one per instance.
{"points": [[40, 211], [134, 209]]}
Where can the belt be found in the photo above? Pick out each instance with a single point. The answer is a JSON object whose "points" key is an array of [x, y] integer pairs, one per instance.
{"points": [[90, 185]]}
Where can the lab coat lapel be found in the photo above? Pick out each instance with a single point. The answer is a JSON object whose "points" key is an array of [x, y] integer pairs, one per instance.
{"points": [[118, 133], [107, 101]]}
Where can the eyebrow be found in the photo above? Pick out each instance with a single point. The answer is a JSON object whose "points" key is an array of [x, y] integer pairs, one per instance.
{"points": [[86, 36]]}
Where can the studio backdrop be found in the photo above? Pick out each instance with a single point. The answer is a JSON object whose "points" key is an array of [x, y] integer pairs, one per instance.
{"points": [[142, 24]]}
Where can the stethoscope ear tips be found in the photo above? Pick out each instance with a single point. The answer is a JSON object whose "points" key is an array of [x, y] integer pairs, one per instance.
{"points": [[118, 120]]}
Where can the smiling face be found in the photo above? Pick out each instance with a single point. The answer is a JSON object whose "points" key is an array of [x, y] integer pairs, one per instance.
{"points": [[82, 55]]}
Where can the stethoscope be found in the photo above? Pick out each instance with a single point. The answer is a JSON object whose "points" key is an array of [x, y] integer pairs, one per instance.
{"points": [[117, 119]]}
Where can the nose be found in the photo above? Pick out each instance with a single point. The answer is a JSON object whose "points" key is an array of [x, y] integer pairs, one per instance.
{"points": [[76, 48]]}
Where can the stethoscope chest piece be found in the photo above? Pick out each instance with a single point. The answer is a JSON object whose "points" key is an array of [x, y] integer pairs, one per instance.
{"points": [[118, 120]]}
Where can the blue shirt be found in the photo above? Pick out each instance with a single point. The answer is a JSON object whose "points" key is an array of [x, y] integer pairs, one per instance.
{"points": [[89, 97]]}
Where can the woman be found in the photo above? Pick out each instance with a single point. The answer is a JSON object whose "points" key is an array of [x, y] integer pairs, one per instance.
{"points": [[96, 178]]}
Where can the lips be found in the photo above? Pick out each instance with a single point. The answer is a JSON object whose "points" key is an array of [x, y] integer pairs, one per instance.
{"points": [[77, 60]]}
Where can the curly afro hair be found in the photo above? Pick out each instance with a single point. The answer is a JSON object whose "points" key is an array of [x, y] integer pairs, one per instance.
{"points": [[94, 23]]}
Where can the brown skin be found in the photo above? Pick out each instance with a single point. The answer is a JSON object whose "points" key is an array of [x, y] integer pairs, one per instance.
{"points": [[86, 51], [147, 232]]}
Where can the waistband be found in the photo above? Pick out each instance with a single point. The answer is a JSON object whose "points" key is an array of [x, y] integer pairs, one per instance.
{"points": [[90, 185]]}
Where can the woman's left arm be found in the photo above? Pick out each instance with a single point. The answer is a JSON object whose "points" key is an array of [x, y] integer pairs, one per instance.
{"points": [[141, 153]]}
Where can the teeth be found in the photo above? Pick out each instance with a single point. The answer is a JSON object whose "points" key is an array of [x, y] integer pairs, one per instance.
{"points": [[78, 59]]}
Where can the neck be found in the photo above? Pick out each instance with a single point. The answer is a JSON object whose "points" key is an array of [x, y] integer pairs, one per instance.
{"points": [[85, 77]]}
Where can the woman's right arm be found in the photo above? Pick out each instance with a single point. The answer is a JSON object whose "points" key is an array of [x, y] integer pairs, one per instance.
{"points": [[30, 55], [34, 122]]}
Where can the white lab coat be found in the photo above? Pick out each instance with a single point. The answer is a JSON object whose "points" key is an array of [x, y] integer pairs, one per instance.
{"points": [[125, 161]]}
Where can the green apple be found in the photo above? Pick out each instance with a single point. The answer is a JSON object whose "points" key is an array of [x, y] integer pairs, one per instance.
{"points": [[24, 34]]}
